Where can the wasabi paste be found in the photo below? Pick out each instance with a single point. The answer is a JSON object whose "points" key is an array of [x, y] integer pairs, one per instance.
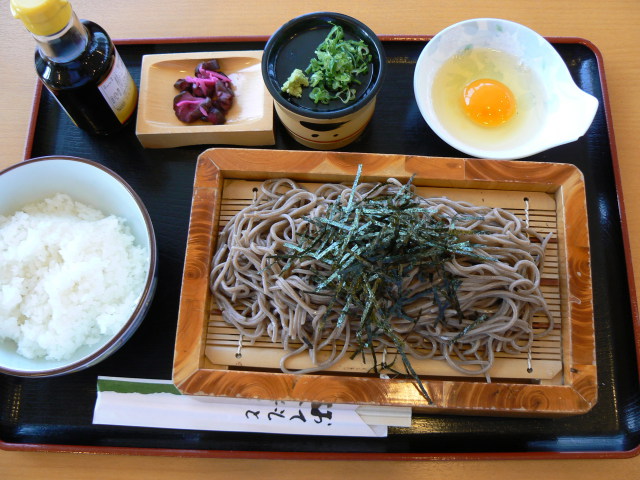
{"points": [[295, 82]]}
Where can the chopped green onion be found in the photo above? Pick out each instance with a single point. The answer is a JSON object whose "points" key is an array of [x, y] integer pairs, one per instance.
{"points": [[332, 74]]}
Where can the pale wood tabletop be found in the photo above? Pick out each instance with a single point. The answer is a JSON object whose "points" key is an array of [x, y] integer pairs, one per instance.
{"points": [[611, 25]]}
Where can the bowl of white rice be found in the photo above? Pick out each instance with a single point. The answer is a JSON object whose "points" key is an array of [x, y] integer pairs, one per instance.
{"points": [[77, 265]]}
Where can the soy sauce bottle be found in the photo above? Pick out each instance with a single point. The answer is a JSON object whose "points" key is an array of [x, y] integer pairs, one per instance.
{"points": [[77, 61]]}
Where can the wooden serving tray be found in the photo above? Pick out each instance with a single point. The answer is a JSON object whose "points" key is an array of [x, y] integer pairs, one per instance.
{"points": [[550, 196]]}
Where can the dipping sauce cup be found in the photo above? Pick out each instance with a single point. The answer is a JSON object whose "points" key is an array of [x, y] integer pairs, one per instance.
{"points": [[317, 125]]}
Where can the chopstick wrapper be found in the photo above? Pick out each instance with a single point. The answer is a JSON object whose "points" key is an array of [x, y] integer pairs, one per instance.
{"points": [[159, 404]]}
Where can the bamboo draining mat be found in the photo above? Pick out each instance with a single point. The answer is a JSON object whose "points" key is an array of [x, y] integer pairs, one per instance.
{"points": [[563, 381], [225, 348]]}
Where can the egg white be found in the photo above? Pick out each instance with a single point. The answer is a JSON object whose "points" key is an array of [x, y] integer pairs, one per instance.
{"points": [[475, 63]]}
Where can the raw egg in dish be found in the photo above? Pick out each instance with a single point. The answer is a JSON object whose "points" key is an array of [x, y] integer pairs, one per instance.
{"points": [[488, 98]]}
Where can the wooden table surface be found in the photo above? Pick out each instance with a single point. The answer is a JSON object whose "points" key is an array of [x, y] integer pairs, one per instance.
{"points": [[613, 26]]}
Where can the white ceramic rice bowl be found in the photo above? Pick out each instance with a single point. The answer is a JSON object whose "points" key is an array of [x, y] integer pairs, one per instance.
{"points": [[94, 185]]}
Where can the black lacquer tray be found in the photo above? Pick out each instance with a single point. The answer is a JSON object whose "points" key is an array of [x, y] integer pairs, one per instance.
{"points": [[55, 414]]}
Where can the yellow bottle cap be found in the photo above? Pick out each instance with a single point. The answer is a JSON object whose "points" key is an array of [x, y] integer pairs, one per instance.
{"points": [[42, 17]]}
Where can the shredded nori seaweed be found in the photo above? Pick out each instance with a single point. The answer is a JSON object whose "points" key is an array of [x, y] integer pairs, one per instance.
{"points": [[371, 245]]}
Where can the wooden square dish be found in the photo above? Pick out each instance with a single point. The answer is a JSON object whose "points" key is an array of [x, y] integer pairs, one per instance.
{"points": [[551, 196], [249, 122]]}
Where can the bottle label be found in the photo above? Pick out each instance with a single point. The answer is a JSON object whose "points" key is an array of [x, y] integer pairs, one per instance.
{"points": [[119, 90]]}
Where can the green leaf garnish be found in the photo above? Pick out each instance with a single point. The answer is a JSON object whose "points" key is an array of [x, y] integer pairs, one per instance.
{"points": [[333, 73]]}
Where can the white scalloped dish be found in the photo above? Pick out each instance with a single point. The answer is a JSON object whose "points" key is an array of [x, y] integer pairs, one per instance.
{"points": [[551, 109]]}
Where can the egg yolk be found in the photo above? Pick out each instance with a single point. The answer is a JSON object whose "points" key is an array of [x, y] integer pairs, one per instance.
{"points": [[488, 102]]}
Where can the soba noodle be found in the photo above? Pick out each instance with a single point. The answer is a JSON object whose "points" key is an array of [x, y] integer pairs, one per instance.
{"points": [[253, 294]]}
